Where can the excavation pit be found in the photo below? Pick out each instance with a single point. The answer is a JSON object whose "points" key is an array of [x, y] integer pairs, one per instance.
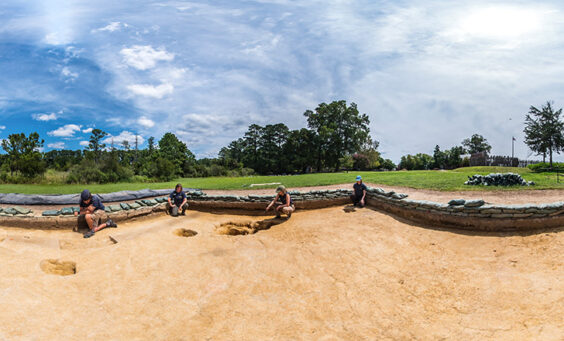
{"points": [[57, 267], [237, 228], [185, 232]]}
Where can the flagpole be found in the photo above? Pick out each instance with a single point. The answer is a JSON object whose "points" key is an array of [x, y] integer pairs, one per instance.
{"points": [[512, 147]]}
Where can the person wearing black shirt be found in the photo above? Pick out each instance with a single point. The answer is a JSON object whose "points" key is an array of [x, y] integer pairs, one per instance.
{"points": [[92, 211], [283, 201], [177, 201], [359, 192]]}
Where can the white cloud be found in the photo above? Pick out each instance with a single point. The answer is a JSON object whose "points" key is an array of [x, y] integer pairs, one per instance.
{"points": [[146, 122], [144, 57], [2, 127], [44, 117], [87, 130], [123, 136], [56, 145], [84, 143], [146, 90], [111, 27], [69, 74], [67, 130]]}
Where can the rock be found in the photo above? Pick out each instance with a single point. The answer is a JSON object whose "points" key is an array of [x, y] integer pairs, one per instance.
{"points": [[51, 213], [457, 202], [474, 203]]}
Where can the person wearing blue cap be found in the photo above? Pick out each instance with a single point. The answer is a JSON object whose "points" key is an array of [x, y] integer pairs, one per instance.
{"points": [[92, 211], [359, 192]]}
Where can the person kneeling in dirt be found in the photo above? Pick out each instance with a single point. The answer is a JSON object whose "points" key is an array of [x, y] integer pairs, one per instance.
{"points": [[359, 192], [92, 212], [177, 201], [283, 202]]}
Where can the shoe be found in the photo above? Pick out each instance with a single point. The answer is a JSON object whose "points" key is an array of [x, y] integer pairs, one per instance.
{"points": [[110, 223], [289, 215], [89, 234], [183, 213], [277, 215]]}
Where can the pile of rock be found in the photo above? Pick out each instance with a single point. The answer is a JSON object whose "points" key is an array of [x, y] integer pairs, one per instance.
{"points": [[498, 179]]}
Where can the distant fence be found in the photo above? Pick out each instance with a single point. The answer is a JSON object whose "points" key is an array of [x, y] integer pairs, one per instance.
{"points": [[483, 159]]}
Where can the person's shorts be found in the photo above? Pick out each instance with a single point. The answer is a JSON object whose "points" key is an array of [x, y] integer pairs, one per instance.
{"points": [[97, 217], [173, 210]]}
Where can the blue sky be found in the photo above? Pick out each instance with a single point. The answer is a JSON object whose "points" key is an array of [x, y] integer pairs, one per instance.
{"points": [[426, 72]]}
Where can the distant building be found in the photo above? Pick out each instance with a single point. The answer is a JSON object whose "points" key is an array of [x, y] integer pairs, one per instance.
{"points": [[483, 159]]}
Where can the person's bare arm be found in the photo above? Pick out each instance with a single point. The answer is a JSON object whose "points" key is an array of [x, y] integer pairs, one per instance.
{"points": [[272, 203]]}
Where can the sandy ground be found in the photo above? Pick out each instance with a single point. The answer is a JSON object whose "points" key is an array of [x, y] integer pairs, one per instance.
{"points": [[322, 275]]}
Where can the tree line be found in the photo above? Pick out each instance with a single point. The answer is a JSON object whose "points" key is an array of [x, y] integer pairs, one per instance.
{"points": [[337, 137], [448, 158]]}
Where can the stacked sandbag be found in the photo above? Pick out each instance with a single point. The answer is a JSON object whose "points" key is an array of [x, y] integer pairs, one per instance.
{"points": [[498, 179]]}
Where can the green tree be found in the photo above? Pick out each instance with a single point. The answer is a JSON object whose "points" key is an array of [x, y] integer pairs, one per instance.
{"points": [[23, 154], [151, 144], [439, 158], [95, 143], [476, 144], [544, 131], [301, 148], [340, 130], [416, 162], [175, 151], [252, 140]]}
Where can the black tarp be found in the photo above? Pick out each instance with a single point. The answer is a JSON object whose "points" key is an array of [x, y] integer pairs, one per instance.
{"points": [[73, 199]]}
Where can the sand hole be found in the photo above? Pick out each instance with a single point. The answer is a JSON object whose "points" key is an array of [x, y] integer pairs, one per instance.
{"points": [[57, 267], [349, 209], [237, 228], [91, 243], [185, 232]]}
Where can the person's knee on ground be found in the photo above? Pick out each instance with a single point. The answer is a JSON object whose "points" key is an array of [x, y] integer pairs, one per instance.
{"points": [[184, 208]]}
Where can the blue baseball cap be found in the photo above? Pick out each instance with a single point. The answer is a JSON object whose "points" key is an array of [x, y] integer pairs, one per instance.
{"points": [[85, 195], [358, 178]]}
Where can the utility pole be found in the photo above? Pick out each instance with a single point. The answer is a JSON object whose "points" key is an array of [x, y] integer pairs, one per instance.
{"points": [[512, 147]]}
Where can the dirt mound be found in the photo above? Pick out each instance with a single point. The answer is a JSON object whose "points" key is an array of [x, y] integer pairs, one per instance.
{"points": [[57, 267], [185, 232]]}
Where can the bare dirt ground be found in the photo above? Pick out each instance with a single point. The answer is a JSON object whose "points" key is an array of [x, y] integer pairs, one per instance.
{"points": [[322, 275]]}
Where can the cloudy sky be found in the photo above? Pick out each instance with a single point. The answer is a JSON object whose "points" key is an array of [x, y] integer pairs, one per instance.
{"points": [[426, 72]]}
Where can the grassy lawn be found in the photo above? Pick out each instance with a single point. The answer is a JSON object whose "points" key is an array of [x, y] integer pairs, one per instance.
{"points": [[438, 180]]}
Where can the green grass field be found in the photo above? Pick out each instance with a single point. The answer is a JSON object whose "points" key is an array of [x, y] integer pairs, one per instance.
{"points": [[438, 180]]}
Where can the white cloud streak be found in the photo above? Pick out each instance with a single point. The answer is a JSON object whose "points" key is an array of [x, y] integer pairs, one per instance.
{"points": [[144, 57], [67, 130]]}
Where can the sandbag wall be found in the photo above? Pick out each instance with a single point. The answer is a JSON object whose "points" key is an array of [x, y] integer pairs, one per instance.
{"points": [[475, 215]]}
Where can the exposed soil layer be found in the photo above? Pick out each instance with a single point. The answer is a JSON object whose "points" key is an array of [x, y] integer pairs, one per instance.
{"points": [[322, 275], [185, 232], [57, 267]]}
